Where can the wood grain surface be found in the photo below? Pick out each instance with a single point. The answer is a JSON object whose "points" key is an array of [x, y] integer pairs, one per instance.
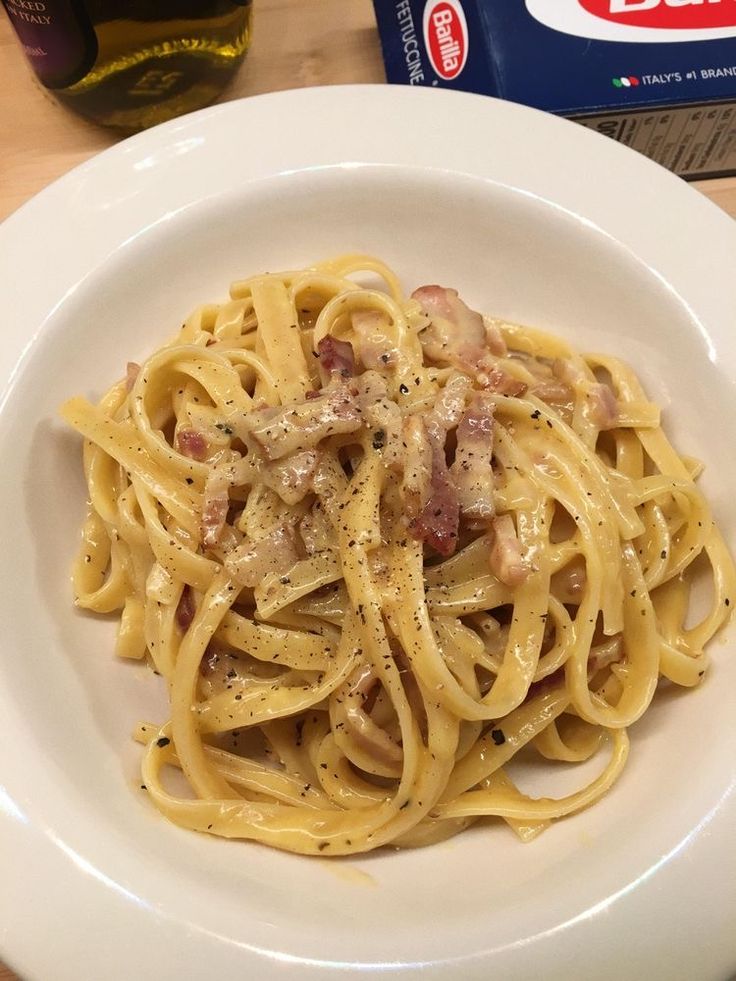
{"points": [[296, 43]]}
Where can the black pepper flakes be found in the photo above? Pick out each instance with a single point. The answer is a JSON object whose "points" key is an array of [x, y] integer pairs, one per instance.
{"points": [[498, 737], [163, 741]]}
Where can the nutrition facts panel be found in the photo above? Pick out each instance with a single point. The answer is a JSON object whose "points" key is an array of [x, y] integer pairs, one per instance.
{"points": [[694, 141]]}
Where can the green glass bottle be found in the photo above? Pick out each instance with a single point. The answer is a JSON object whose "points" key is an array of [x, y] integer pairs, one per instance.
{"points": [[133, 63]]}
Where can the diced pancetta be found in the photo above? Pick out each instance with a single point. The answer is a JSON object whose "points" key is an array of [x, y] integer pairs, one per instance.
{"points": [[316, 531], [291, 477], [193, 444], [568, 372], [448, 408], [496, 379], [553, 390], [602, 403], [185, 608], [132, 369], [381, 415], [336, 357], [302, 425], [273, 555], [215, 504], [603, 406], [456, 334], [438, 522], [506, 560]]}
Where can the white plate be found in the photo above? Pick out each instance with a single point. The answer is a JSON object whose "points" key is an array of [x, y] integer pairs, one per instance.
{"points": [[532, 218]]}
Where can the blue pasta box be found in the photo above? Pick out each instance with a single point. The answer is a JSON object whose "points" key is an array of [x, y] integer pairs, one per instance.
{"points": [[657, 75]]}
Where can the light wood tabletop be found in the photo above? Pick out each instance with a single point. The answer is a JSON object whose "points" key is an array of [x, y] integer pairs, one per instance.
{"points": [[296, 43]]}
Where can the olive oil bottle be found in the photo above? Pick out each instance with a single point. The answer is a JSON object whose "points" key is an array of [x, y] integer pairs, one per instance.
{"points": [[133, 63]]}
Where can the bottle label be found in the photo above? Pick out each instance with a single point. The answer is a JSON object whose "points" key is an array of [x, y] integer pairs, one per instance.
{"points": [[57, 37]]}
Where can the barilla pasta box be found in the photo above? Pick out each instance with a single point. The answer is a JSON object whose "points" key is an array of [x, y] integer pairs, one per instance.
{"points": [[657, 75]]}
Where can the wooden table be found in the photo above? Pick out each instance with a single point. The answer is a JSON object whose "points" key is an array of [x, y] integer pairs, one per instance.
{"points": [[297, 43]]}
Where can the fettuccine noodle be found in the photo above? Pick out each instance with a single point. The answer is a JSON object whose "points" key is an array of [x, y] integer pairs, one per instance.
{"points": [[382, 548]]}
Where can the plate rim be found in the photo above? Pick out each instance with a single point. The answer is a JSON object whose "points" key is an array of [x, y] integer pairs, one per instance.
{"points": [[639, 177]]}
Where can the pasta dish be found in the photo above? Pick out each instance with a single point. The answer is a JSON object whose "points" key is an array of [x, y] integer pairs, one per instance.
{"points": [[383, 550]]}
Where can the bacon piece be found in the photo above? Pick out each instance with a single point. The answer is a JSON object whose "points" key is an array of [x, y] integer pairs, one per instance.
{"points": [[448, 408], [471, 469], [429, 493], [185, 608], [291, 477], [215, 504], [507, 563], [273, 555], [553, 390], [382, 415], [302, 425], [438, 521], [602, 402], [498, 380], [494, 339], [316, 530], [374, 343], [192, 443], [336, 357], [132, 370], [603, 406], [456, 334]]}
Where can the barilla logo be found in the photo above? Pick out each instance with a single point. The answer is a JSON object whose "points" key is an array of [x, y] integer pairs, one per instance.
{"points": [[643, 21], [673, 15], [446, 37]]}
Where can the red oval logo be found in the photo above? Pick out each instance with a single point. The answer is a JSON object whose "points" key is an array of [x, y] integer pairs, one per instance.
{"points": [[667, 14], [446, 37]]}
